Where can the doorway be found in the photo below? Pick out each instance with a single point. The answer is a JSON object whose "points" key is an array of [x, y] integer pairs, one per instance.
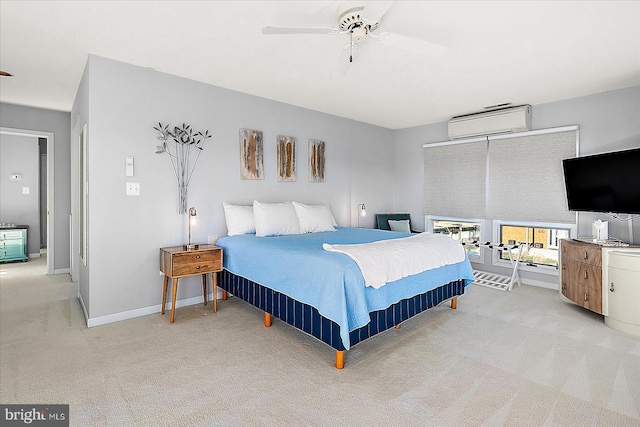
{"points": [[49, 209]]}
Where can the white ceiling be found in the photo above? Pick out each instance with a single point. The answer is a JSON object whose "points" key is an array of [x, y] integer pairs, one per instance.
{"points": [[499, 51]]}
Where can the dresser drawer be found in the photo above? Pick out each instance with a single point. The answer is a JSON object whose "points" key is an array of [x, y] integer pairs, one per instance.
{"points": [[12, 252], [11, 235], [583, 252]]}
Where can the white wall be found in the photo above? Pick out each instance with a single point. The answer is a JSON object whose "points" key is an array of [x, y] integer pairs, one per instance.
{"points": [[125, 233], [608, 121], [56, 122], [20, 154]]}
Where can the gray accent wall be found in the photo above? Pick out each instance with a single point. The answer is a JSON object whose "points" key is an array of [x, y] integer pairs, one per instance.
{"points": [[20, 155], [121, 103], [608, 121], [57, 122]]}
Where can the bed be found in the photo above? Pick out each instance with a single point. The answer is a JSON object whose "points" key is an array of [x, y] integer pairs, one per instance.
{"points": [[323, 293]]}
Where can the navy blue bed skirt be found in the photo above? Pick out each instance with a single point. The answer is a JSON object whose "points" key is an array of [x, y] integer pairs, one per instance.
{"points": [[307, 318]]}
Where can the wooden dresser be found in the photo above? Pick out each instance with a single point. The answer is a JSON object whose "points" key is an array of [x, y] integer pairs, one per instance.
{"points": [[581, 273]]}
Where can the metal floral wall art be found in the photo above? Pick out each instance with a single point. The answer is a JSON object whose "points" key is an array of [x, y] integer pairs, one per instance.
{"points": [[179, 143]]}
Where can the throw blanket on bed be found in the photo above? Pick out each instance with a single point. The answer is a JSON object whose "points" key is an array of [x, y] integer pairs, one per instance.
{"points": [[391, 260]]}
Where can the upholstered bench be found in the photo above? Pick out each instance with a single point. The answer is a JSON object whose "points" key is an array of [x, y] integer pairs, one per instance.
{"points": [[382, 220]]}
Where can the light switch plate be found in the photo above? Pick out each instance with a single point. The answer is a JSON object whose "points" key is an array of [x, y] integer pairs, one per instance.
{"points": [[15, 177], [128, 163], [25, 190]]}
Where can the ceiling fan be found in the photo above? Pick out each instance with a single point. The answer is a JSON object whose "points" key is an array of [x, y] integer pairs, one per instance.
{"points": [[361, 20]]}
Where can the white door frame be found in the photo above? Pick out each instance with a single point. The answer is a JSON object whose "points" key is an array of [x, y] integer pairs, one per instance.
{"points": [[50, 188]]}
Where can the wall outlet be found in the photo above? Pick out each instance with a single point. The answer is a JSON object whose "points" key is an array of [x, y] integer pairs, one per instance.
{"points": [[133, 188], [213, 239], [25, 190]]}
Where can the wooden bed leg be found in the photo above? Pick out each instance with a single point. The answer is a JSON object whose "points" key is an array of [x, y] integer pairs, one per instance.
{"points": [[339, 359], [454, 303], [224, 295], [397, 326], [267, 320]]}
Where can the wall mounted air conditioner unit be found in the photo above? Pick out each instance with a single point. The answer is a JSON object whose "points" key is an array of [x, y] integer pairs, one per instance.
{"points": [[503, 120]]}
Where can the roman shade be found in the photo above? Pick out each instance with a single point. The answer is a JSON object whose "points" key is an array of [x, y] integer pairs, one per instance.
{"points": [[525, 177], [454, 179], [515, 177]]}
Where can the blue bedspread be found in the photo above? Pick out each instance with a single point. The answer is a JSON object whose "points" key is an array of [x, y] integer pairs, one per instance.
{"points": [[297, 266]]}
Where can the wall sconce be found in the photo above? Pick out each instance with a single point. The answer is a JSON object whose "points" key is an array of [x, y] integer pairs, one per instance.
{"points": [[191, 219], [362, 211]]}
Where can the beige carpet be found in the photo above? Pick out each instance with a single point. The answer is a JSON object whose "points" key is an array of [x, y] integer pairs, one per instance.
{"points": [[519, 358]]}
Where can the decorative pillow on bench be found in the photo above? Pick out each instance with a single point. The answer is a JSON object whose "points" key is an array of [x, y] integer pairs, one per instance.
{"points": [[401, 225]]}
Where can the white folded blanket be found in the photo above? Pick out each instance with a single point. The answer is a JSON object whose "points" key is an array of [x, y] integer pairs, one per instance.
{"points": [[390, 260]]}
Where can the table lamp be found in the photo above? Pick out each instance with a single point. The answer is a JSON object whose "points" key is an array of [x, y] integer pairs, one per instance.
{"points": [[362, 211], [192, 219]]}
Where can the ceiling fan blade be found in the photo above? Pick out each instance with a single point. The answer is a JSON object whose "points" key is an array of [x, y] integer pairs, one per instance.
{"points": [[412, 45], [375, 10], [298, 30]]}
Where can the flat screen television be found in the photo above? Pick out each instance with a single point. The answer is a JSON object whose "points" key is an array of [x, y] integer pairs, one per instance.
{"points": [[607, 182]]}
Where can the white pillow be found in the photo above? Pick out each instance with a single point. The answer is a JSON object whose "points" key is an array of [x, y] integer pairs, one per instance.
{"points": [[275, 219], [401, 225], [314, 218], [239, 219]]}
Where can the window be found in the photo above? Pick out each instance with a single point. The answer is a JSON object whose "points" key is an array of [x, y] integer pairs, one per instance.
{"points": [[462, 230], [540, 242]]}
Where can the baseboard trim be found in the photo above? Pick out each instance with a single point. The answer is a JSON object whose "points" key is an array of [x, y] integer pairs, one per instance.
{"points": [[539, 283], [61, 270], [35, 255], [144, 311], [84, 308]]}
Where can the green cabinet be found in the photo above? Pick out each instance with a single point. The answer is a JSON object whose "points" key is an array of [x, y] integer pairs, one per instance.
{"points": [[13, 244]]}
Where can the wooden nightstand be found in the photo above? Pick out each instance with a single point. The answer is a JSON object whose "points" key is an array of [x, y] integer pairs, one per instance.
{"points": [[177, 262]]}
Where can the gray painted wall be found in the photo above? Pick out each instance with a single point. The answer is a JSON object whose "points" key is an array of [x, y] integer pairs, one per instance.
{"points": [[125, 232], [120, 103], [57, 122], [608, 121], [20, 154]]}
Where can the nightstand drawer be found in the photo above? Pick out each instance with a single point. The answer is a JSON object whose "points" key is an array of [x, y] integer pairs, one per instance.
{"points": [[195, 257], [196, 268]]}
